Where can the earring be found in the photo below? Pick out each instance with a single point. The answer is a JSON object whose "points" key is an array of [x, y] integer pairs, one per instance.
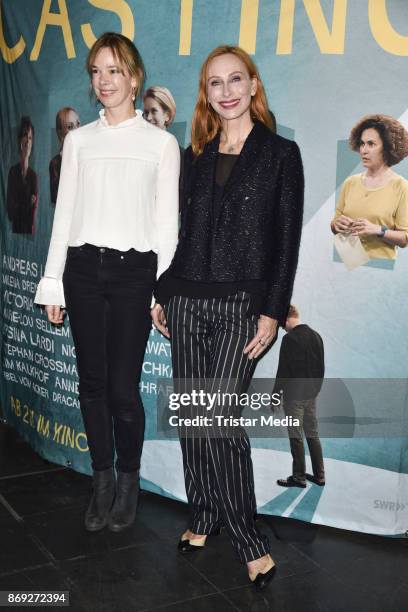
{"points": [[133, 94]]}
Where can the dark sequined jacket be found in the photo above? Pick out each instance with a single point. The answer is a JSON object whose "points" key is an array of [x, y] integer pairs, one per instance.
{"points": [[256, 234]]}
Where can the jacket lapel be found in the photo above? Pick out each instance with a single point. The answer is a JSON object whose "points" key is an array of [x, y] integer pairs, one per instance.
{"points": [[204, 172], [247, 158]]}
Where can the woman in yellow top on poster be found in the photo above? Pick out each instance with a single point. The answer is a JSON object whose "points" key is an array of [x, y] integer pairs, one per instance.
{"points": [[374, 204]]}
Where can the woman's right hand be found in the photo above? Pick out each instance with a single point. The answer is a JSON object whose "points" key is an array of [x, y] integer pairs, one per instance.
{"points": [[342, 224], [159, 320], [55, 314]]}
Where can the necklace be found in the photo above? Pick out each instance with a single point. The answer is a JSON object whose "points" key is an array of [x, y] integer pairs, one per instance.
{"points": [[231, 148], [236, 146]]}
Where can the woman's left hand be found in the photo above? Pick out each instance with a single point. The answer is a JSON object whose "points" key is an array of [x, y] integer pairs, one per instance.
{"points": [[363, 227], [267, 330]]}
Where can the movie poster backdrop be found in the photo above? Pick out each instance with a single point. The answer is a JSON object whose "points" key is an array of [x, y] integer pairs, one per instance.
{"points": [[325, 64]]}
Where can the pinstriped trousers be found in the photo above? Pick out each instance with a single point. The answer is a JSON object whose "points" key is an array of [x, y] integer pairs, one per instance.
{"points": [[208, 337]]}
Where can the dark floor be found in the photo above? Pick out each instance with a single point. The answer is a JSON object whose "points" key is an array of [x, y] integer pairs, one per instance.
{"points": [[43, 545]]}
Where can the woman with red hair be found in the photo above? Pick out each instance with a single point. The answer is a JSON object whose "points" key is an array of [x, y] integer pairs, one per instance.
{"points": [[228, 287]]}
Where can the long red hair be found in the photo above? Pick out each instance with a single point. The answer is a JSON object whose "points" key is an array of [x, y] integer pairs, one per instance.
{"points": [[206, 122]]}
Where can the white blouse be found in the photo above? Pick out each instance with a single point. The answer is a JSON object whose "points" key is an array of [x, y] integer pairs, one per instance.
{"points": [[118, 189]]}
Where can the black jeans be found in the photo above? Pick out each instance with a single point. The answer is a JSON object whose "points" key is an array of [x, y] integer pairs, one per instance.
{"points": [[108, 295]]}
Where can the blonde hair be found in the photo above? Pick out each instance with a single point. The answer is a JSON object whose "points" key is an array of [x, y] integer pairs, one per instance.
{"points": [[124, 51], [206, 121], [164, 97]]}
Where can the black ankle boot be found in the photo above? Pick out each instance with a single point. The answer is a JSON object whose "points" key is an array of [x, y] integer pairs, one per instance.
{"points": [[96, 516], [123, 512]]}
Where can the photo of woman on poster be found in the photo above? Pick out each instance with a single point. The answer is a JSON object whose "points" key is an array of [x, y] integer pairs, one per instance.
{"points": [[159, 107], [373, 205], [22, 184]]}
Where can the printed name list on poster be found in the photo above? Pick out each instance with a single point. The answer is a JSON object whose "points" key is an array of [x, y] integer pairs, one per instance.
{"points": [[37, 357]]}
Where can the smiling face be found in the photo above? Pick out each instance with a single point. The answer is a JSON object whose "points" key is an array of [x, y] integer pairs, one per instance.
{"points": [[26, 143], [371, 149], [153, 113], [112, 84], [229, 86]]}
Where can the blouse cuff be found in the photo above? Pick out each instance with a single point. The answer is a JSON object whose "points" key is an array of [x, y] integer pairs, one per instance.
{"points": [[50, 292]]}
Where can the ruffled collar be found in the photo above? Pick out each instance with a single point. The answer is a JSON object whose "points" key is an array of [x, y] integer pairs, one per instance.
{"points": [[126, 123]]}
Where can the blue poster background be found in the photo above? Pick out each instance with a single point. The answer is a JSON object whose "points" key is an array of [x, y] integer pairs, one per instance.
{"points": [[324, 65]]}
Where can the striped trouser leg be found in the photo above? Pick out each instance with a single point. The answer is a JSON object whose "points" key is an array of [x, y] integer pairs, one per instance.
{"points": [[231, 371], [190, 346], [208, 338]]}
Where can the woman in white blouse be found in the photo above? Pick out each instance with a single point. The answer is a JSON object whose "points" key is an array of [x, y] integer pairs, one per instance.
{"points": [[115, 231]]}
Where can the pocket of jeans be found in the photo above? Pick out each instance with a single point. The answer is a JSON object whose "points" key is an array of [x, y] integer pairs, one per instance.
{"points": [[74, 252], [143, 261]]}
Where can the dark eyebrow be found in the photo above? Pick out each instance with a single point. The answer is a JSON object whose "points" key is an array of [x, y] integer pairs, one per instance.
{"points": [[230, 74]]}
